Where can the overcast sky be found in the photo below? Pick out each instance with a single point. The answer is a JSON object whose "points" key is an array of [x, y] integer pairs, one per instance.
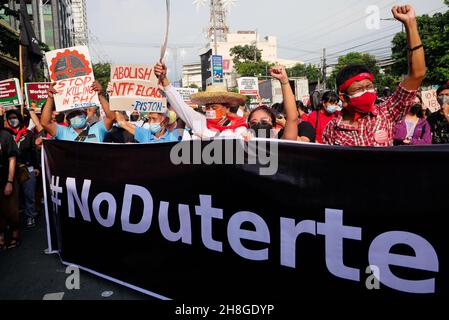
{"points": [[131, 31]]}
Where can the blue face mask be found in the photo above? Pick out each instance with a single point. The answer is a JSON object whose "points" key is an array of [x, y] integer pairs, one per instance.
{"points": [[155, 128], [332, 108], [78, 122]]}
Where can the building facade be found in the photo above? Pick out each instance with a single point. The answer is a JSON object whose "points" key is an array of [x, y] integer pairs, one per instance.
{"points": [[191, 75], [52, 21], [9, 62], [268, 46], [80, 22]]}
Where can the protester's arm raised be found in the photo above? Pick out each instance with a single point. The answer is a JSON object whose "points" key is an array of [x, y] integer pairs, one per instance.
{"points": [[416, 57], [125, 124], [193, 119], [110, 115], [36, 121], [291, 124], [47, 112]]}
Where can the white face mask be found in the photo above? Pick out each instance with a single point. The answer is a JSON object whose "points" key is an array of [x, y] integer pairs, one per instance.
{"points": [[14, 123], [211, 115], [359, 94], [443, 100], [332, 108]]}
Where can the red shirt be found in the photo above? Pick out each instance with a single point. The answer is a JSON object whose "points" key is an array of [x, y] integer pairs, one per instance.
{"points": [[374, 129], [323, 119], [304, 117]]}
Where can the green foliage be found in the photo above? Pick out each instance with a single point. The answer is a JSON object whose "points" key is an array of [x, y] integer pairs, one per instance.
{"points": [[356, 58], [102, 72], [244, 64], [434, 33], [388, 79], [245, 54], [251, 69], [311, 72]]}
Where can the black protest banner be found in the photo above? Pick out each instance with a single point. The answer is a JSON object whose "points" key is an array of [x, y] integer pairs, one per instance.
{"points": [[329, 223]]}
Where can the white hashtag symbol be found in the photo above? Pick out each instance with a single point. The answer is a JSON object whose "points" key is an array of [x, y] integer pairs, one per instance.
{"points": [[55, 191]]}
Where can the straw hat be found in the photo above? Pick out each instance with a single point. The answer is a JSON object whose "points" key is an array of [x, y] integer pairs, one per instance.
{"points": [[218, 94]]}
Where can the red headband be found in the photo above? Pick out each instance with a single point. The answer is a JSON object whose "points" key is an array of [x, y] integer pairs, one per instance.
{"points": [[359, 77]]}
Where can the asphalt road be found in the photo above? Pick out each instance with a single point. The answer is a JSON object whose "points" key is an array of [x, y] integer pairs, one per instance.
{"points": [[27, 273]]}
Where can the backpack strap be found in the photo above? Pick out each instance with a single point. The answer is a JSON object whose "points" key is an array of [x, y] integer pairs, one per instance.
{"points": [[83, 135]]}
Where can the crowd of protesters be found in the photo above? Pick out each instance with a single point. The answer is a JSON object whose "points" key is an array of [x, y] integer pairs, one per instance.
{"points": [[353, 115]]}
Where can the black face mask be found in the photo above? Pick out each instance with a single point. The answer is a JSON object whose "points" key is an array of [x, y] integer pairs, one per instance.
{"points": [[262, 130], [134, 118]]}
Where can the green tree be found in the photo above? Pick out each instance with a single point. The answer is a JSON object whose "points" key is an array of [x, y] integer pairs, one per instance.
{"points": [[434, 31], [245, 53], [102, 72], [356, 58], [251, 69], [311, 72], [244, 64]]}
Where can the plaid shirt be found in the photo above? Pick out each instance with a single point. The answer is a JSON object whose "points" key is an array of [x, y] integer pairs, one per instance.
{"points": [[374, 129]]}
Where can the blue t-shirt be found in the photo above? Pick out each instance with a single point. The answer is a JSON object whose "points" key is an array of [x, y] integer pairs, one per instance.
{"points": [[96, 133], [143, 135]]}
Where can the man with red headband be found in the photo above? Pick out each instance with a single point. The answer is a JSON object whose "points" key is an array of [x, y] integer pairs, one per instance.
{"points": [[362, 123]]}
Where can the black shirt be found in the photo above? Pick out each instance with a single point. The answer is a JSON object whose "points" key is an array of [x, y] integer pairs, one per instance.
{"points": [[119, 135], [305, 129], [439, 127], [8, 149]]}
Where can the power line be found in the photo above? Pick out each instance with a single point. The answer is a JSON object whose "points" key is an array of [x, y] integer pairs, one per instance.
{"points": [[295, 34], [358, 38], [333, 29], [353, 47], [361, 45]]}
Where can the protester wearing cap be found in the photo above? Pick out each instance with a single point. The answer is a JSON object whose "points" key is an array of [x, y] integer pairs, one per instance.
{"points": [[218, 101], [78, 129], [439, 120], [362, 123], [160, 128]]}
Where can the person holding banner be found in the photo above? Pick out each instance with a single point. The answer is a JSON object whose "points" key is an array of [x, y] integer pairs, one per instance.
{"points": [[262, 120], [218, 101], [439, 120], [362, 123], [160, 128], [78, 130]]}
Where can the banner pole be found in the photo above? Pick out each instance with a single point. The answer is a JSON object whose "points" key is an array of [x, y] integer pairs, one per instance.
{"points": [[21, 75], [167, 30]]}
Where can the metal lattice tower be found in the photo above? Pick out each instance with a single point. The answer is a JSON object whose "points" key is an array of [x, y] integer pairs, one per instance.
{"points": [[218, 27]]}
